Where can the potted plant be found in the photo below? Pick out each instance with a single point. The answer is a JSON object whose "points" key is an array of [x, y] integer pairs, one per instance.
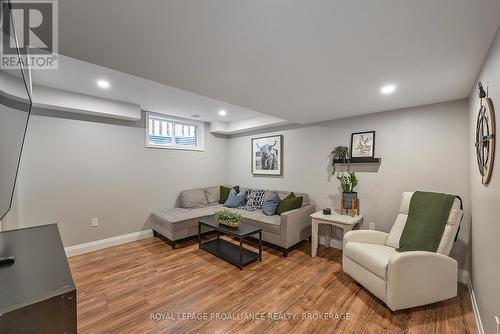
{"points": [[348, 181], [340, 153], [228, 218]]}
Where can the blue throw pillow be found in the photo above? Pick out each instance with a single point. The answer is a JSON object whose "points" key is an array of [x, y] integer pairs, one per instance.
{"points": [[270, 205], [235, 200]]}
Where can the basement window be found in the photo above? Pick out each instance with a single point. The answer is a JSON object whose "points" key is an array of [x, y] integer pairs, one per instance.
{"points": [[173, 133]]}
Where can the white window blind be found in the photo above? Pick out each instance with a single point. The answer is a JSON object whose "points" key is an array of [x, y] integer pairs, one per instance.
{"points": [[168, 132]]}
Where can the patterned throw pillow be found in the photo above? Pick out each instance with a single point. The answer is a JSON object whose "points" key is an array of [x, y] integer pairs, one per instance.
{"points": [[254, 200], [249, 191]]}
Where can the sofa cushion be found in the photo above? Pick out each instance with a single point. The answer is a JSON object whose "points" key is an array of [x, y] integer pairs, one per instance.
{"points": [[259, 219], [254, 200], [372, 257], [235, 200], [195, 198], [179, 214], [213, 195], [291, 202], [177, 218], [224, 193], [283, 194], [270, 205]]}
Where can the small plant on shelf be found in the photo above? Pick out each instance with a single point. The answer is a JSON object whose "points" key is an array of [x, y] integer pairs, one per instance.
{"points": [[228, 218], [340, 153]]}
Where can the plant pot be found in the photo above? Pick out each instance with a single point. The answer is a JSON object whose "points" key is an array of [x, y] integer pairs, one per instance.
{"points": [[347, 199], [228, 223]]}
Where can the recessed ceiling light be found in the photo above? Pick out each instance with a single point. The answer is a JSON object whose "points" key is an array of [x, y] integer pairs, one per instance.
{"points": [[388, 89], [103, 83], [222, 112]]}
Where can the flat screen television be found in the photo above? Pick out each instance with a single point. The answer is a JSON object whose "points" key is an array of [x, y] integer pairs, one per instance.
{"points": [[15, 108]]}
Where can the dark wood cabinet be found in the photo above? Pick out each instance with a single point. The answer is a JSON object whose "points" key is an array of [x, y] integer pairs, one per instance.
{"points": [[37, 292]]}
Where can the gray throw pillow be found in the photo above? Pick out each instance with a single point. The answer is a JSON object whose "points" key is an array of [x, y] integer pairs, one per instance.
{"points": [[235, 200], [213, 195], [271, 204], [191, 199]]}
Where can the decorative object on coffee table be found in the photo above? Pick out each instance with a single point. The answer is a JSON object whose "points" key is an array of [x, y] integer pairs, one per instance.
{"points": [[327, 211], [228, 218], [485, 136], [348, 181], [267, 155], [226, 250], [363, 144]]}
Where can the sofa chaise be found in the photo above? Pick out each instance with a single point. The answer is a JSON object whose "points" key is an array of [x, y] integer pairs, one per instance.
{"points": [[283, 231]]}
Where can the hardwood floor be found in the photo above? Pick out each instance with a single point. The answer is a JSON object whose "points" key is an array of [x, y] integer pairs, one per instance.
{"points": [[121, 288]]}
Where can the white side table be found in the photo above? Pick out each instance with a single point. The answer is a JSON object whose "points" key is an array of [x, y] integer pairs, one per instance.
{"points": [[345, 222]]}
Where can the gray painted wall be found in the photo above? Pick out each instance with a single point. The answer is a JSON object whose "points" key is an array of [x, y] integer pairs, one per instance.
{"points": [[76, 169], [422, 148], [485, 200]]}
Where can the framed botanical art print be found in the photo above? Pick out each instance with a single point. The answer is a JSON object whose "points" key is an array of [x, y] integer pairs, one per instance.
{"points": [[267, 155], [363, 144]]}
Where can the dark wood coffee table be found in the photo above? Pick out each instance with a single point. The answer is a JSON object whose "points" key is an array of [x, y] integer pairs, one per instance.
{"points": [[226, 250]]}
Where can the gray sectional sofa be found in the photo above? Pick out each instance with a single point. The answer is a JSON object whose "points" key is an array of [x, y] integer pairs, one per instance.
{"points": [[181, 222]]}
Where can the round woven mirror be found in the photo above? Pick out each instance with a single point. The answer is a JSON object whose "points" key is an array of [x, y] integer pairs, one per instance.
{"points": [[485, 136]]}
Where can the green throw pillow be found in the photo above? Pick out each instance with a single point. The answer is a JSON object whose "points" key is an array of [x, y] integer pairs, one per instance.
{"points": [[291, 202], [224, 193]]}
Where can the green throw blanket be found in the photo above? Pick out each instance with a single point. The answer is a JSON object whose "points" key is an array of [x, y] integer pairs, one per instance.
{"points": [[426, 221]]}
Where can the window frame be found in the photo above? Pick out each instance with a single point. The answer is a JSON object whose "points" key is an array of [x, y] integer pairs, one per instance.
{"points": [[199, 132]]}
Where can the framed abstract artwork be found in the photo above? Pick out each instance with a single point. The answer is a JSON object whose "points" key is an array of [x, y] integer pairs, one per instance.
{"points": [[267, 155], [363, 144]]}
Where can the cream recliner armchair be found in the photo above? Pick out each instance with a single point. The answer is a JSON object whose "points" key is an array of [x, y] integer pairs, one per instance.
{"points": [[406, 279]]}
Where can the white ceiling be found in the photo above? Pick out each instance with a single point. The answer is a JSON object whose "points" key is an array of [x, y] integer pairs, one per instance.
{"points": [[301, 61], [78, 76]]}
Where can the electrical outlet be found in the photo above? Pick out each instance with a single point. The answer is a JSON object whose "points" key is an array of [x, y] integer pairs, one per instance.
{"points": [[371, 226], [498, 324], [95, 222]]}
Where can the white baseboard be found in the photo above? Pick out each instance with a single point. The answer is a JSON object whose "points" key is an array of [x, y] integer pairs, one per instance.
{"points": [[475, 309], [105, 243]]}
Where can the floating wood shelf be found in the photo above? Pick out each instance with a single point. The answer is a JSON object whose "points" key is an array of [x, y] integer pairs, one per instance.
{"points": [[360, 161]]}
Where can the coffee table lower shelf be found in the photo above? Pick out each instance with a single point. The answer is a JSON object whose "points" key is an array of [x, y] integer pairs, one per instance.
{"points": [[230, 252]]}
